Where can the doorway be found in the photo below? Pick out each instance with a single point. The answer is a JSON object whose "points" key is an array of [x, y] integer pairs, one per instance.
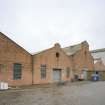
{"points": [[56, 75]]}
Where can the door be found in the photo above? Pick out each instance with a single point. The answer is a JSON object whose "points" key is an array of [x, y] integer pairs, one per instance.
{"points": [[84, 74], [56, 75]]}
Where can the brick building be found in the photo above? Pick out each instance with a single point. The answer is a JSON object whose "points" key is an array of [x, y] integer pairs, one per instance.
{"points": [[99, 65], [15, 63], [18, 67], [99, 62], [99, 57], [75, 59], [52, 65], [82, 60]]}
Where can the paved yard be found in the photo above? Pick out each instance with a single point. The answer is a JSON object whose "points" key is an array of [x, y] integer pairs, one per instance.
{"points": [[75, 94]]}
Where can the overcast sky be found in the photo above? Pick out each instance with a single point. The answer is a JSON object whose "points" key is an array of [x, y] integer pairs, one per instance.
{"points": [[38, 24]]}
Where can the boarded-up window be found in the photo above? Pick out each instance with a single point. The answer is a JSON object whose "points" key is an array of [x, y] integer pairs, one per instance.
{"points": [[43, 71], [2, 68], [68, 72], [17, 71]]}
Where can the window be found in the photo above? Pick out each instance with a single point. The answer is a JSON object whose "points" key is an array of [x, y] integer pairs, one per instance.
{"points": [[85, 52], [2, 67], [68, 72], [96, 72], [17, 71], [57, 54], [43, 71]]}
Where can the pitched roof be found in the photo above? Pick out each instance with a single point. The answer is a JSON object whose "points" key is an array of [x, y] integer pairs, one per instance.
{"points": [[35, 53], [56, 45], [2, 34], [71, 50]]}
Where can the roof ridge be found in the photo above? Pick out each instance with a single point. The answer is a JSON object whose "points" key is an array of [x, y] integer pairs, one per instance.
{"points": [[73, 45]]}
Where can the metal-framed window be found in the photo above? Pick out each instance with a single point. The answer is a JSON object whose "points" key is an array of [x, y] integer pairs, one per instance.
{"points": [[17, 71], [43, 71]]}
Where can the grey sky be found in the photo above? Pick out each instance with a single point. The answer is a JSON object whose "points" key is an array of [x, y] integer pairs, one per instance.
{"points": [[38, 24]]}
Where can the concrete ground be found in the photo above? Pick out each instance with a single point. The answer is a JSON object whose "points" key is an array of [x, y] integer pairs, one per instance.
{"points": [[80, 93]]}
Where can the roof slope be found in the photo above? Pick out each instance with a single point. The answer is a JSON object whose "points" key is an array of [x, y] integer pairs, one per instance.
{"points": [[3, 35], [72, 49], [39, 52]]}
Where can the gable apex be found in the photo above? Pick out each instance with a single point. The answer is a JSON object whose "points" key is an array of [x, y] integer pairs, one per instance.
{"points": [[57, 45]]}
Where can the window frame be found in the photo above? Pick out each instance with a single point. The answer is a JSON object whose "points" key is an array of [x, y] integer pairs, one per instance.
{"points": [[67, 72], [17, 71], [43, 71]]}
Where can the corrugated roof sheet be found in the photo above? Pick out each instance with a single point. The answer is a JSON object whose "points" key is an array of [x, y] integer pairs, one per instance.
{"points": [[72, 49]]}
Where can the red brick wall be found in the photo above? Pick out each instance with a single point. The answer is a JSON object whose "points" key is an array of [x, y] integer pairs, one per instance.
{"points": [[82, 59], [11, 53], [48, 57]]}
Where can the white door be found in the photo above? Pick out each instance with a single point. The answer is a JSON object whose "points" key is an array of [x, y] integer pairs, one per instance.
{"points": [[56, 75], [85, 74]]}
